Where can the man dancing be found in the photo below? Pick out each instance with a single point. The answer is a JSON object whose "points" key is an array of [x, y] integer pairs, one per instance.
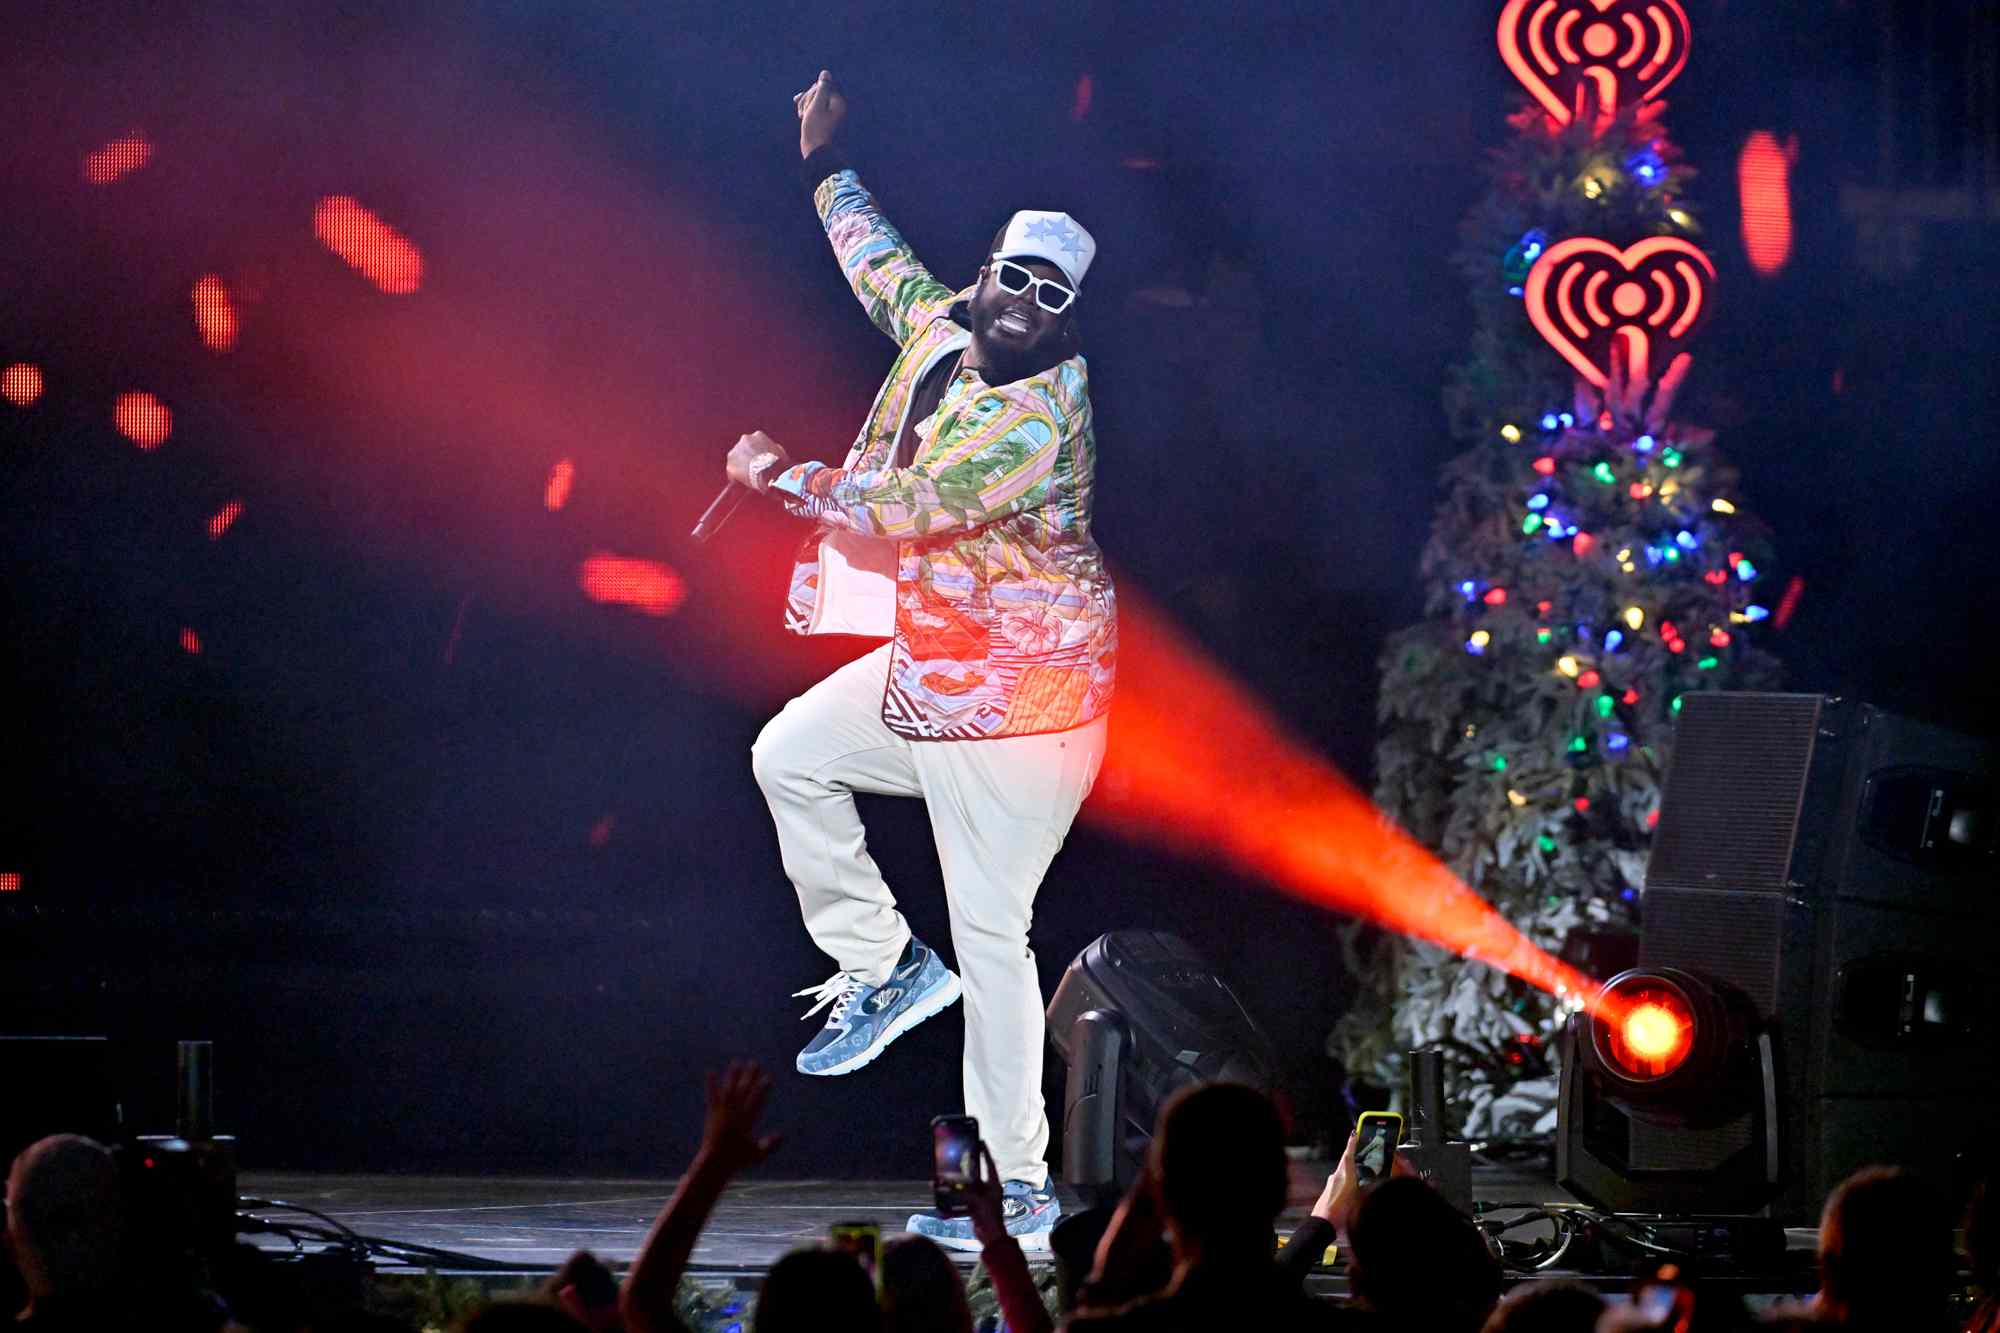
{"points": [[959, 529]]}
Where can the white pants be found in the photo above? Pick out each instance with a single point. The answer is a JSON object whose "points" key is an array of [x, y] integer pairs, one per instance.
{"points": [[999, 809]]}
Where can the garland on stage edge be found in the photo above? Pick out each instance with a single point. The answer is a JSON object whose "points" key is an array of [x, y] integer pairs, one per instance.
{"points": [[1592, 562]]}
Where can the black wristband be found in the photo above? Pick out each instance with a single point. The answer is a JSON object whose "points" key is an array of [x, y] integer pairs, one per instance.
{"points": [[824, 161]]}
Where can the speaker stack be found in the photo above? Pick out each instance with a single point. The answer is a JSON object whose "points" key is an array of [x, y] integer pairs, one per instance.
{"points": [[1815, 989]]}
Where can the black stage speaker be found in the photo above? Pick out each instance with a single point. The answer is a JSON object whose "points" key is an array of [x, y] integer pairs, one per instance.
{"points": [[1138, 1015], [56, 1085], [1815, 990]]}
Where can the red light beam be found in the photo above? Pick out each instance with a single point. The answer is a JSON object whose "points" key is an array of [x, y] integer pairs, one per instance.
{"points": [[1198, 765], [214, 314], [646, 586], [21, 384], [142, 419], [219, 522], [120, 157], [370, 246]]}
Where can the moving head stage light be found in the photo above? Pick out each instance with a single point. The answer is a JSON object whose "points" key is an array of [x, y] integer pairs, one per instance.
{"points": [[1814, 990], [1138, 1015]]}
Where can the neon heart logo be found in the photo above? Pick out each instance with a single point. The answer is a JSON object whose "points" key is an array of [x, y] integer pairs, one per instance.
{"points": [[1587, 297], [1626, 51]]}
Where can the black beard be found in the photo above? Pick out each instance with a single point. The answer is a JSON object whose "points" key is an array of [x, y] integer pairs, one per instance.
{"points": [[1009, 363]]}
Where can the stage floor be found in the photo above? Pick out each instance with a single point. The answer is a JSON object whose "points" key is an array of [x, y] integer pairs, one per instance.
{"points": [[532, 1224]]}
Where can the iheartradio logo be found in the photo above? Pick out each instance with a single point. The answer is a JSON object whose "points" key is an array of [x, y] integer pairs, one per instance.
{"points": [[1623, 51], [1587, 297]]}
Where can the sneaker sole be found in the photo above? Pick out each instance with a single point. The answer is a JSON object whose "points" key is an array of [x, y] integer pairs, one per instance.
{"points": [[931, 1005], [1032, 1242]]}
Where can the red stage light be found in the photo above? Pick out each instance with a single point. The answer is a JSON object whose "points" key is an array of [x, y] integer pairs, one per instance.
{"points": [[223, 517], [214, 316], [120, 157], [369, 245], [190, 642], [21, 383], [143, 419], [1645, 1028], [556, 494], [1763, 185], [10, 881], [643, 585]]}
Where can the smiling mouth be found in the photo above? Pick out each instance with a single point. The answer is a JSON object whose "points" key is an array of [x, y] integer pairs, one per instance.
{"points": [[1013, 322]]}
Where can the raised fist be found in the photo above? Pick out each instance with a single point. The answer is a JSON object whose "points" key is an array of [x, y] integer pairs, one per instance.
{"points": [[821, 108]]}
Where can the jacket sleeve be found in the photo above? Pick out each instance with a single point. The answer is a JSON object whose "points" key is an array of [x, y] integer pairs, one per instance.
{"points": [[994, 455], [899, 294]]}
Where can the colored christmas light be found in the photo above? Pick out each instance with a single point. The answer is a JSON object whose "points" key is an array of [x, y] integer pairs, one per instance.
{"points": [[1550, 421], [1605, 703], [1671, 457], [1511, 433], [1677, 703], [1589, 680], [1515, 798], [1639, 490], [1545, 465], [1579, 744], [1538, 501], [1644, 444], [1581, 804], [1603, 473], [1634, 618], [1480, 638], [1521, 257], [1583, 545], [1647, 166], [1568, 665], [1718, 638], [1629, 698], [1616, 740], [1499, 763], [1542, 635], [1546, 843], [1722, 506], [1754, 613], [1708, 663], [1612, 638], [1531, 523], [1496, 597], [1686, 539], [1745, 570], [1470, 589]]}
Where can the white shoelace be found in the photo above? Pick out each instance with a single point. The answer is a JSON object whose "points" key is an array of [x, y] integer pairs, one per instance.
{"points": [[838, 990]]}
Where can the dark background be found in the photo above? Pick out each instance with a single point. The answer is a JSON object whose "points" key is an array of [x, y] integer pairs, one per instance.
{"points": [[460, 868]]}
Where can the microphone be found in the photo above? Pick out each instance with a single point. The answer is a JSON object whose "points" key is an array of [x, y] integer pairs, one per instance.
{"points": [[719, 509]]}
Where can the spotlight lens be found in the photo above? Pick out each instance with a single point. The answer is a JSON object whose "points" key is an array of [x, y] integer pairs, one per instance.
{"points": [[1654, 1034]]}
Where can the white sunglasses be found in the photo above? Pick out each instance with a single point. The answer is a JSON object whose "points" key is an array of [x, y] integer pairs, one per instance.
{"points": [[1013, 279]]}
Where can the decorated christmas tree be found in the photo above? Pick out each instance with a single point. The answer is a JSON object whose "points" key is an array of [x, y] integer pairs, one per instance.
{"points": [[1591, 563]]}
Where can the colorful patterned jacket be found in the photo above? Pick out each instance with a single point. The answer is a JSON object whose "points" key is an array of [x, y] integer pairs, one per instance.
{"points": [[1004, 621]]}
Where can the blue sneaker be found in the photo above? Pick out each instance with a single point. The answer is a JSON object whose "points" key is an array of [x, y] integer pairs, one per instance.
{"points": [[1031, 1214], [867, 1018]]}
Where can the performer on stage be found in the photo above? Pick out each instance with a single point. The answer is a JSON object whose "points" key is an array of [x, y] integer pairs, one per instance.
{"points": [[958, 529]]}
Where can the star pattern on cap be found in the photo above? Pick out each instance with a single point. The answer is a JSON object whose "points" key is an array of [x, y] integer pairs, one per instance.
{"points": [[1065, 236]]}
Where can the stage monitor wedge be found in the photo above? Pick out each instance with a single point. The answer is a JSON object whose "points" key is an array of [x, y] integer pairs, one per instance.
{"points": [[1831, 868]]}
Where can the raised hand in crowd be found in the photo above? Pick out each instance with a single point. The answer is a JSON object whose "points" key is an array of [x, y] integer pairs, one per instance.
{"points": [[730, 1144], [1020, 1303]]}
